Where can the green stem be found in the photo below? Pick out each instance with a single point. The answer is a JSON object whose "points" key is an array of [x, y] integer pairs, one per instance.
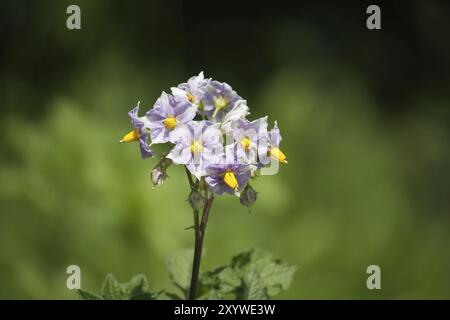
{"points": [[198, 247], [199, 235]]}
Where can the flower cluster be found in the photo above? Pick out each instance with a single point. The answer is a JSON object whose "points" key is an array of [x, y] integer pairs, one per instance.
{"points": [[205, 124]]}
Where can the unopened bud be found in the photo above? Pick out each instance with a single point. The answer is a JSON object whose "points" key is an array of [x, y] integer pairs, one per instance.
{"points": [[158, 176], [196, 200], [248, 196]]}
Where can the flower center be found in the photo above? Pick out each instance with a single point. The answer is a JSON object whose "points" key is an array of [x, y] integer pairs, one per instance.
{"points": [[246, 143], [220, 102], [277, 154], [170, 122], [131, 136], [196, 147], [230, 180], [190, 97]]}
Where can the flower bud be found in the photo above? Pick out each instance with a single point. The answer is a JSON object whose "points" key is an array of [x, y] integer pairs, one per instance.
{"points": [[196, 200], [248, 196], [158, 176]]}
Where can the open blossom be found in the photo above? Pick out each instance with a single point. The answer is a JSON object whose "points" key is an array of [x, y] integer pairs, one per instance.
{"points": [[197, 145], [192, 91], [247, 136], [227, 178], [166, 115], [219, 98], [273, 147], [139, 133]]}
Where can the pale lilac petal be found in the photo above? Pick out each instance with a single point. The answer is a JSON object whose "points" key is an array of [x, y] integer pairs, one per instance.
{"points": [[146, 152], [159, 135], [163, 105], [155, 119], [211, 135], [275, 137], [181, 135], [179, 94], [196, 169], [180, 154], [242, 179], [185, 112], [239, 111]]}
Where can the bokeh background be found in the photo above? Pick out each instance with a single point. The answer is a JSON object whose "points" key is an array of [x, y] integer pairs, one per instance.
{"points": [[364, 116]]}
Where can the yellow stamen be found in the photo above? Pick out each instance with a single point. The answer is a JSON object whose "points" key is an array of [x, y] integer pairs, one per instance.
{"points": [[131, 136], [196, 147], [230, 179], [190, 97], [170, 122], [245, 143], [278, 155]]}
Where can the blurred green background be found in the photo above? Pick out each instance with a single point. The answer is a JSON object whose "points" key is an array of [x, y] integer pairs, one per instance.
{"points": [[364, 116]]}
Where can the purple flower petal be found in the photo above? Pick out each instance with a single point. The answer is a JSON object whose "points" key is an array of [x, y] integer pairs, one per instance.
{"points": [[215, 177], [184, 112], [142, 125]]}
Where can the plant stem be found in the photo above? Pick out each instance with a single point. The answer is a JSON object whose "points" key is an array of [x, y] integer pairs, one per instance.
{"points": [[199, 235]]}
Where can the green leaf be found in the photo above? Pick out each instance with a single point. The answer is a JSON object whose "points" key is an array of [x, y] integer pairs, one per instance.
{"points": [[136, 286], [222, 280], [86, 295], [273, 273], [277, 276], [135, 289], [252, 287], [111, 289], [179, 266], [254, 274]]}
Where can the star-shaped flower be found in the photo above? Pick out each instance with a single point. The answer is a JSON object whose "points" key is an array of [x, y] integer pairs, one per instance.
{"points": [[198, 144], [166, 115]]}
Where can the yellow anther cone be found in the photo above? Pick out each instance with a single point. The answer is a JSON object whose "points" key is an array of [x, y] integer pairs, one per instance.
{"points": [[245, 143], [170, 122], [196, 147], [230, 179], [278, 155], [131, 136]]}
